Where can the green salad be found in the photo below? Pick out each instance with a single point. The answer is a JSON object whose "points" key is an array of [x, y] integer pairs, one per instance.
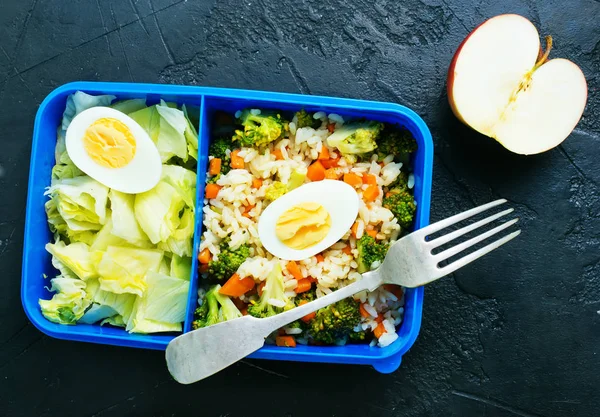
{"points": [[124, 259]]}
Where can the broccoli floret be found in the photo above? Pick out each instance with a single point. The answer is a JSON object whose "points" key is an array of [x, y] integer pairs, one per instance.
{"points": [[273, 290], [214, 179], [275, 190], [215, 308], [400, 184], [305, 119], [335, 322], [402, 204], [218, 148], [396, 141], [357, 138], [259, 129], [305, 297], [208, 313], [369, 251], [357, 336], [228, 261]]}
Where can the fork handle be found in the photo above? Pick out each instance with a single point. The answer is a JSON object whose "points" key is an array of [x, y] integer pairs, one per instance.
{"points": [[370, 281]]}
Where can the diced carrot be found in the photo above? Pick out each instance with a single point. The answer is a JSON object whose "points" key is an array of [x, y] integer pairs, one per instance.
{"points": [[372, 233], [352, 179], [320, 258], [214, 166], [256, 183], [347, 250], [333, 162], [309, 316], [261, 286], [293, 269], [388, 194], [312, 279], [369, 179], [316, 171], [331, 127], [331, 174], [249, 207], [354, 229], [278, 154], [246, 215], [303, 285], [324, 154], [379, 318], [237, 162], [203, 268], [371, 193], [394, 289], [379, 330], [204, 256], [236, 286], [244, 311], [285, 341], [363, 311], [212, 190]]}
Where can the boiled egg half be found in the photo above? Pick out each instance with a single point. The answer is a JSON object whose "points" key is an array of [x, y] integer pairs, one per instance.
{"points": [[308, 220], [113, 149]]}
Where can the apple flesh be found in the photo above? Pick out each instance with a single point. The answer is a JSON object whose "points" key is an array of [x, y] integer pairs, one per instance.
{"points": [[502, 85]]}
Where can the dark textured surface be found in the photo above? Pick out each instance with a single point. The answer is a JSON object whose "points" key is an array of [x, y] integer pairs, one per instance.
{"points": [[515, 334]]}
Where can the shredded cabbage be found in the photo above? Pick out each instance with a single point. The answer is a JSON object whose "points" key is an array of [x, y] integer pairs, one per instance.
{"points": [[157, 211], [123, 270], [69, 304], [123, 259]]}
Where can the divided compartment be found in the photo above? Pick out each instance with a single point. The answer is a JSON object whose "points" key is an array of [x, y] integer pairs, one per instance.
{"points": [[36, 261], [386, 359]]}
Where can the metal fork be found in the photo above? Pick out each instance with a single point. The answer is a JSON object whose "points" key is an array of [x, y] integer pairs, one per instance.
{"points": [[409, 262]]}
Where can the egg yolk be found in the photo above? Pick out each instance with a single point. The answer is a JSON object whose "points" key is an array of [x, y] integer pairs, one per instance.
{"points": [[109, 142], [303, 225]]}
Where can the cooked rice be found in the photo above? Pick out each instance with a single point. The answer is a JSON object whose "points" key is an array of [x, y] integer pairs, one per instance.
{"points": [[224, 217]]}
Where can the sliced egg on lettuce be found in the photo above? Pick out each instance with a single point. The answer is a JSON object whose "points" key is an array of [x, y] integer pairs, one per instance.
{"points": [[308, 220], [113, 149]]}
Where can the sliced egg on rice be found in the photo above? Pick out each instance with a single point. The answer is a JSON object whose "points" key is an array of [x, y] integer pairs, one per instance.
{"points": [[113, 149], [308, 220]]}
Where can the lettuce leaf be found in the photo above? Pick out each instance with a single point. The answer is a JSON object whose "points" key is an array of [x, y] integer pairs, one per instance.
{"points": [[81, 202], [180, 242], [181, 267], [80, 101], [191, 135], [70, 302], [96, 313], [183, 180], [75, 257], [129, 106], [157, 211], [121, 303], [166, 127], [166, 298], [123, 270], [114, 321], [162, 309], [124, 224]]}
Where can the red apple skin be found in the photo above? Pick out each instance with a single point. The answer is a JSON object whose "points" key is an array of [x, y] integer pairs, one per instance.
{"points": [[450, 82]]}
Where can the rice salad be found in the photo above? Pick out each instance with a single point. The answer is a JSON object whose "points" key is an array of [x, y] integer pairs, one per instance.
{"points": [[256, 158]]}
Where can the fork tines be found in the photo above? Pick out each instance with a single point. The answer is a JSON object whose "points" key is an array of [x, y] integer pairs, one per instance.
{"points": [[455, 250]]}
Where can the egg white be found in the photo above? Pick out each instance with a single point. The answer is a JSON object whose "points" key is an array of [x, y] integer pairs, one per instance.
{"points": [[337, 197], [139, 175]]}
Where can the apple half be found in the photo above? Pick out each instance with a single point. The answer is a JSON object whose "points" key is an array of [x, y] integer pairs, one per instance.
{"points": [[502, 84]]}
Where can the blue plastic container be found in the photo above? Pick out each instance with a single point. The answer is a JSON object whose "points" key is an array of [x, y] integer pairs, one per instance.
{"points": [[37, 262]]}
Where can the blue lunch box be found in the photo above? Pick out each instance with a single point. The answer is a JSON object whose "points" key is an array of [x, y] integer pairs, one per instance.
{"points": [[37, 262]]}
